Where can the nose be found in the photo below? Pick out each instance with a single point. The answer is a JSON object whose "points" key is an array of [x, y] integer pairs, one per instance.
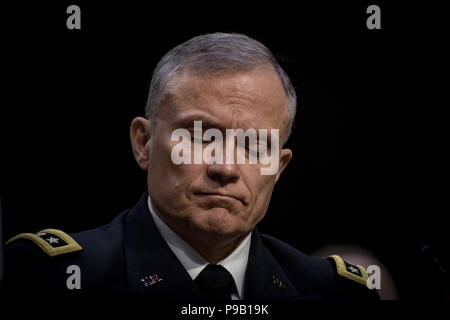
{"points": [[227, 171], [223, 173]]}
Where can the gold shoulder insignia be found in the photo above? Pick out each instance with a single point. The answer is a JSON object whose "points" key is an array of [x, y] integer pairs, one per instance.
{"points": [[52, 241], [353, 272]]}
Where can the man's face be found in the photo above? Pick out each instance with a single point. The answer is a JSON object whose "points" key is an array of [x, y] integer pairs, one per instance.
{"points": [[225, 200]]}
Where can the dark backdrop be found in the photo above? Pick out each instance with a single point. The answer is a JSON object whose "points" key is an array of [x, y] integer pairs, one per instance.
{"points": [[367, 141]]}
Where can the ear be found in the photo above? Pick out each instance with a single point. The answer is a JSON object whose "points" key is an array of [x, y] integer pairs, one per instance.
{"points": [[285, 158], [140, 138]]}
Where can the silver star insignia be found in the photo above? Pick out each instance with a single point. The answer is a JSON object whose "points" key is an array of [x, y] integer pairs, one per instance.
{"points": [[353, 269], [52, 240]]}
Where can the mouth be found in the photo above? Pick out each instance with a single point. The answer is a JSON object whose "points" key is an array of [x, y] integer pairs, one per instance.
{"points": [[221, 195]]}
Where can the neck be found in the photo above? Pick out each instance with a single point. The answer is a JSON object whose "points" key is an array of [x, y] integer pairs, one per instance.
{"points": [[211, 246], [213, 249]]}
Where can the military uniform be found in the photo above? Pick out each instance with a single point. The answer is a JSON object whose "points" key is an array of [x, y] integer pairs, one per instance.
{"points": [[129, 256]]}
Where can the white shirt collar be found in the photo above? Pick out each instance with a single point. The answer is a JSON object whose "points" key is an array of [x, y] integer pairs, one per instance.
{"points": [[193, 262]]}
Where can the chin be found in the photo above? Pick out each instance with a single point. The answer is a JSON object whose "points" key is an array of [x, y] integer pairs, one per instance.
{"points": [[219, 221]]}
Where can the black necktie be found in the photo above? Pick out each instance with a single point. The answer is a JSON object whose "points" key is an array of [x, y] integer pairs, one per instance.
{"points": [[216, 283]]}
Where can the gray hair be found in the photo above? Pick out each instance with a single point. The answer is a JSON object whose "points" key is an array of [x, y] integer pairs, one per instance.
{"points": [[215, 53]]}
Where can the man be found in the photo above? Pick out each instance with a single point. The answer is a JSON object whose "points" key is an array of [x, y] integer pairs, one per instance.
{"points": [[193, 236]]}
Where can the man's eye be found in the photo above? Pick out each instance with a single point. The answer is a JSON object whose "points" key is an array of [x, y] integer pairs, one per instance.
{"points": [[252, 147], [196, 140]]}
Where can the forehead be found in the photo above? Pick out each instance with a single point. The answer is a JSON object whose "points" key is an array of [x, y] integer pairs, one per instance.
{"points": [[253, 99]]}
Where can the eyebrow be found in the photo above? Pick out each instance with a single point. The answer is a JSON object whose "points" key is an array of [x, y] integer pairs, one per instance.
{"points": [[207, 123]]}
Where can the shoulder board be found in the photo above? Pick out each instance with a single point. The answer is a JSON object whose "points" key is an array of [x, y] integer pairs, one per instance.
{"points": [[52, 241], [353, 272]]}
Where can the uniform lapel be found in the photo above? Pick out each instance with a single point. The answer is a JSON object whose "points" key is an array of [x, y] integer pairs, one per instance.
{"points": [[152, 268], [265, 279]]}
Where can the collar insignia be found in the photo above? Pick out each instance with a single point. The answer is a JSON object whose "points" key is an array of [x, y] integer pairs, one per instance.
{"points": [[150, 280], [277, 283]]}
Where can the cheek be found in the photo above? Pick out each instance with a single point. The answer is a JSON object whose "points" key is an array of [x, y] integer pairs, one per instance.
{"points": [[162, 173], [264, 194], [261, 188], [166, 179], [160, 162]]}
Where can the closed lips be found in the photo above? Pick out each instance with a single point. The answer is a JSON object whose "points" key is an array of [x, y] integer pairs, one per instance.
{"points": [[219, 194]]}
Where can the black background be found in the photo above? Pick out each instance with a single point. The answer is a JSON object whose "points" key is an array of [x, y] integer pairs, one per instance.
{"points": [[368, 141]]}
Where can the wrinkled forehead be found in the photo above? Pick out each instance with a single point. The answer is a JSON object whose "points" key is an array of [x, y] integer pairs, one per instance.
{"points": [[251, 99]]}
